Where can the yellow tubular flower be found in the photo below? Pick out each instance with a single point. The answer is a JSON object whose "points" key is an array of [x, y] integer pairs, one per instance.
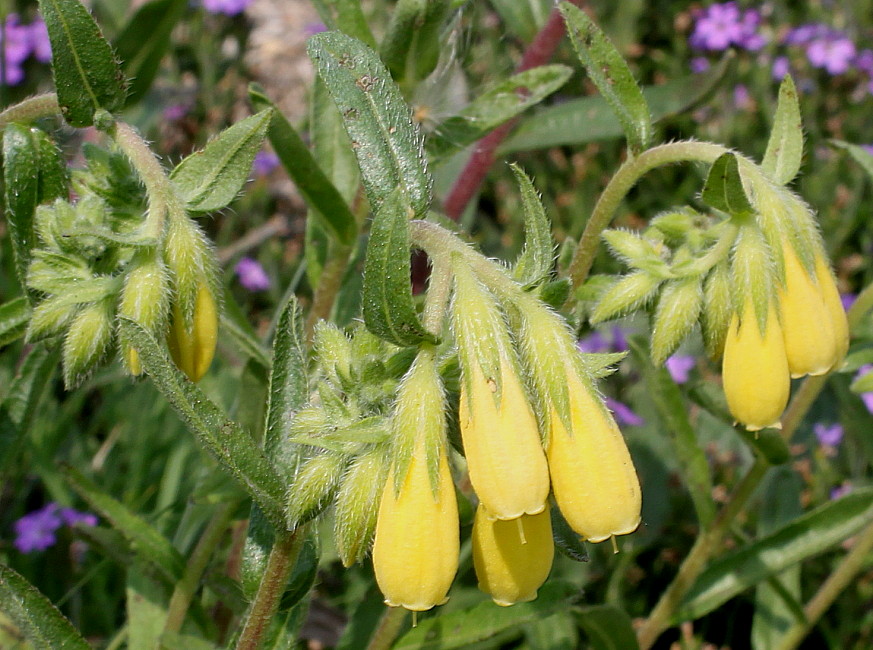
{"points": [[807, 327], [593, 477], [505, 456], [512, 558], [415, 553], [193, 349], [755, 370], [834, 306]]}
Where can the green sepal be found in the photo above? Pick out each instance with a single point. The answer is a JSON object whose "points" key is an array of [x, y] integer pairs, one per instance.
{"points": [[87, 74], [724, 189], [600, 365], [612, 76], [538, 255], [625, 295], [14, 316], [752, 275], [718, 306], [210, 179], [785, 146], [678, 309]]}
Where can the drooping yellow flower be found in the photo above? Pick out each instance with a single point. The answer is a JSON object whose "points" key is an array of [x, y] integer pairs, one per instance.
{"points": [[512, 558], [755, 370], [415, 552], [505, 456], [807, 324], [593, 477], [833, 304], [193, 349]]}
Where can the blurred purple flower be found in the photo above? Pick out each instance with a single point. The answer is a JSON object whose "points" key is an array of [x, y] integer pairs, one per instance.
{"points": [[806, 33], [623, 413], [829, 435], [742, 98], [699, 64], [35, 531], [723, 24], [39, 39], [864, 61], [226, 7], [751, 38], [679, 366], [264, 163], [598, 341], [252, 275], [841, 491], [833, 52], [71, 517], [780, 68], [619, 340], [848, 299], [867, 398], [310, 29], [175, 112]]}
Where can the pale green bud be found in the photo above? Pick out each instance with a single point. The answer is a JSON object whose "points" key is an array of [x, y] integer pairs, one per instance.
{"points": [[357, 504], [674, 225], [334, 350], [87, 340], [313, 487], [717, 309], [191, 264], [50, 318], [144, 299], [678, 309], [625, 295], [636, 251]]}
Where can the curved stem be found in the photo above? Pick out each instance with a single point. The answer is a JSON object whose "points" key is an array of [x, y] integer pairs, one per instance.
{"points": [[438, 291], [618, 187], [31, 109]]}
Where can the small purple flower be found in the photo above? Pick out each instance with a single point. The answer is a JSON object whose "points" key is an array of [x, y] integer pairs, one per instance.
{"points": [[35, 531], [829, 435], [742, 98], [252, 275], [72, 517], [311, 29], [834, 52], [623, 413], [226, 7], [264, 163], [780, 68], [175, 112], [699, 64], [841, 490], [680, 366], [593, 343], [717, 27], [864, 61], [848, 299], [867, 398], [39, 40], [806, 33], [619, 340]]}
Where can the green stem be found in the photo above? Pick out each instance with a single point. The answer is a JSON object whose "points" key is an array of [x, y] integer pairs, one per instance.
{"points": [[618, 187], [279, 565], [388, 629], [832, 587], [329, 284], [187, 585], [438, 291], [31, 109]]}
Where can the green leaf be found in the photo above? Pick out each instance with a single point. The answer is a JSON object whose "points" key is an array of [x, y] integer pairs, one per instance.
{"points": [[538, 254], [861, 156], [462, 629], [145, 540], [386, 142], [523, 18], [673, 413], [410, 46], [346, 16], [785, 147], [174, 640], [87, 74], [41, 622], [724, 189], [610, 73], [328, 206], [590, 119], [803, 538], [209, 179], [232, 447], [14, 316], [389, 310], [260, 537], [607, 628], [143, 42], [863, 384], [566, 539], [496, 106], [21, 184], [146, 607]]}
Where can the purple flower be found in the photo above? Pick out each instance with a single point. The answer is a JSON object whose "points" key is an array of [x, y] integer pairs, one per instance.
{"points": [[699, 64], [252, 275], [841, 490], [311, 29], [742, 98], [848, 299], [593, 343], [864, 61], [175, 112], [39, 40], [829, 435], [721, 25], [867, 398], [833, 52], [780, 68], [623, 413], [226, 7], [35, 531], [680, 366], [264, 163], [72, 517]]}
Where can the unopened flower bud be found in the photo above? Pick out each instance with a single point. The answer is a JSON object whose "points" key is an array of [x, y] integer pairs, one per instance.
{"points": [[678, 309], [313, 486], [87, 339], [755, 369], [50, 317], [192, 349], [144, 300], [628, 293], [357, 504], [512, 558], [717, 309]]}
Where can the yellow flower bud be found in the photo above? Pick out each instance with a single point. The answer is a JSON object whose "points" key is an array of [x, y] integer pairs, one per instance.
{"points": [[415, 553], [193, 349], [834, 306], [593, 477], [807, 326], [505, 456], [755, 370], [512, 558]]}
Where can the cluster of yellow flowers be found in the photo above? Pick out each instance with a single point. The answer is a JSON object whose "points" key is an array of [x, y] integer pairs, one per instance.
{"points": [[519, 440], [788, 320]]}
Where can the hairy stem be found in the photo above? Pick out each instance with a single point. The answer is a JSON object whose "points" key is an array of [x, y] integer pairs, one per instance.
{"points": [[31, 109]]}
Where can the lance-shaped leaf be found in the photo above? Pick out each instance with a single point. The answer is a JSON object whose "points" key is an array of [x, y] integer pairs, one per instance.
{"points": [[859, 154], [87, 74], [496, 106], [610, 73], [785, 147], [537, 256], [803, 538], [328, 206], [724, 189], [21, 183], [209, 179], [389, 311], [143, 42], [41, 622], [387, 143], [234, 449]]}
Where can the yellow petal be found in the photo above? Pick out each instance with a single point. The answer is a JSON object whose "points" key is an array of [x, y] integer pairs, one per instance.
{"points": [[415, 553], [834, 306], [755, 370], [193, 350], [807, 326], [593, 477], [505, 456], [512, 558]]}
